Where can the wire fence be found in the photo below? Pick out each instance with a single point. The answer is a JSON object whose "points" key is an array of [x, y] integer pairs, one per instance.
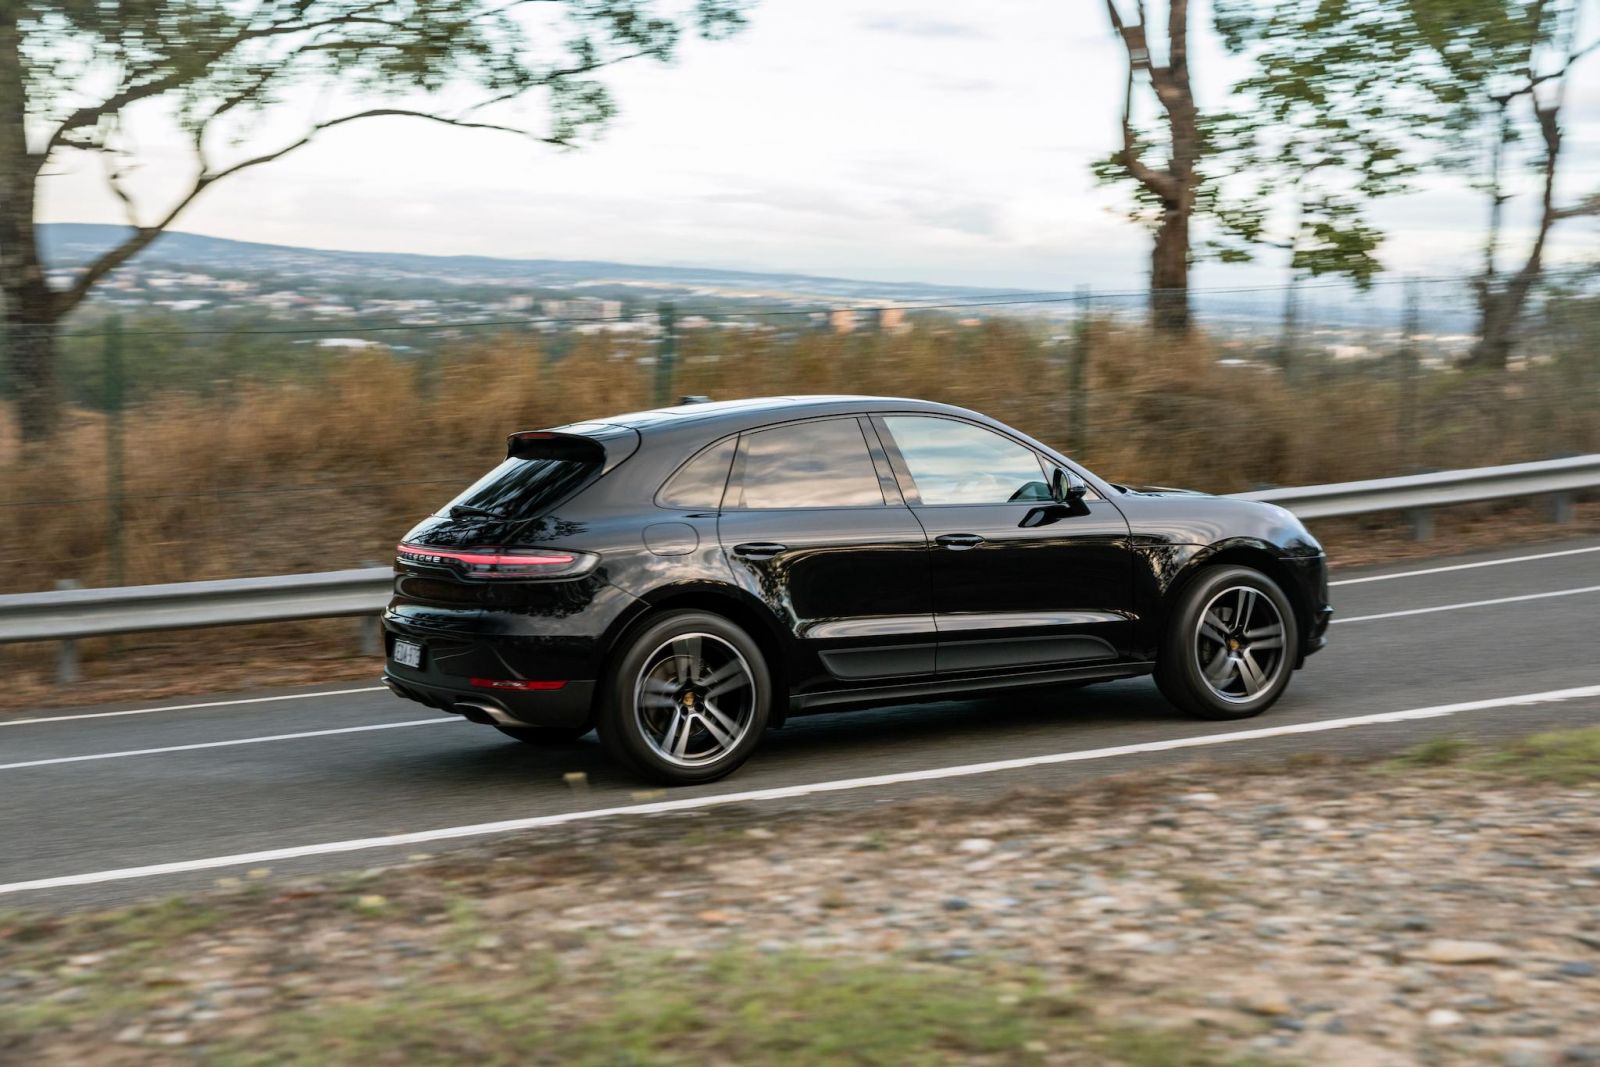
{"points": [[206, 446]]}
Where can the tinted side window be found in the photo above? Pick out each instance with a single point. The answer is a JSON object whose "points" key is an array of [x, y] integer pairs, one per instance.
{"points": [[808, 465], [958, 463], [700, 482]]}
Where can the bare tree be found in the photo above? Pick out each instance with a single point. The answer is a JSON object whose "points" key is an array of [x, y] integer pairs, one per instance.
{"points": [[1503, 297], [1170, 183]]}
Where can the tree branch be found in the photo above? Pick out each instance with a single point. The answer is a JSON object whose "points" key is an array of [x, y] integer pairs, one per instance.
{"points": [[142, 236], [185, 66], [1134, 42]]}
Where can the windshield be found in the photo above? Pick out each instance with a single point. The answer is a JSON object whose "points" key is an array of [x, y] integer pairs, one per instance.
{"points": [[521, 488]]}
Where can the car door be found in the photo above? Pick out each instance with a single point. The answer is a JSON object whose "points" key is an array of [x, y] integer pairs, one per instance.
{"points": [[814, 525], [1019, 581]]}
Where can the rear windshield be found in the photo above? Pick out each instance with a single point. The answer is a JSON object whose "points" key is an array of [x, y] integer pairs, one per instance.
{"points": [[522, 488]]}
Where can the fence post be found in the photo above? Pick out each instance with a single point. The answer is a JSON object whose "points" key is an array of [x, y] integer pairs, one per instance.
{"points": [[114, 386], [1287, 364], [1406, 416], [666, 351], [67, 671], [1077, 382], [427, 376]]}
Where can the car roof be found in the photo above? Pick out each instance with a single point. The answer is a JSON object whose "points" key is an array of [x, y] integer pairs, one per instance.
{"points": [[727, 416], [754, 411]]}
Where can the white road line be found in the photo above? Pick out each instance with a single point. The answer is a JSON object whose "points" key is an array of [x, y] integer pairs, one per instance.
{"points": [[221, 744], [1472, 604], [787, 792], [1465, 566], [191, 707]]}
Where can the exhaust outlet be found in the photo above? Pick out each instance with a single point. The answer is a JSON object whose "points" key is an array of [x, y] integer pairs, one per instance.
{"points": [[483, 714]]}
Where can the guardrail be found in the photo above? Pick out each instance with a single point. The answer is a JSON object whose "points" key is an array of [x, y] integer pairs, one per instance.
{"points": [[1417, 493], [69, 613]]}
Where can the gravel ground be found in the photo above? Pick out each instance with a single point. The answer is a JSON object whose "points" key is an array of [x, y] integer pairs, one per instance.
{"points": [[1444, 910]]}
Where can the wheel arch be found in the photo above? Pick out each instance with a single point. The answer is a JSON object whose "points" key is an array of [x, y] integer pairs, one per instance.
{"points": [[733, 604], [1255, 555]]}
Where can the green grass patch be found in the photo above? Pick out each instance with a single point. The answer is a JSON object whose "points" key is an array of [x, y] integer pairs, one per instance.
{"points": [[1565, 757], [1568, 757], [1434, 752], [736, 1007]]}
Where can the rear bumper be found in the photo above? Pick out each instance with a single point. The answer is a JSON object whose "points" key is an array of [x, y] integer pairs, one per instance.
{"points": [[568, 706], [468, 645]]}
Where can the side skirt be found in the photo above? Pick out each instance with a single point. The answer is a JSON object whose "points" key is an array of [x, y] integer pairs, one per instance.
{"points": [[944, 689]]}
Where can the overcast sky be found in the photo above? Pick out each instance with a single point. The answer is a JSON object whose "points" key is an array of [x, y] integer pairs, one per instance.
{"points": [[927, 140]]}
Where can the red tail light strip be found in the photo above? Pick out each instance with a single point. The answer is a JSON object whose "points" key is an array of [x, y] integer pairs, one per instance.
{"points": [[481, 559], [518, 684]]}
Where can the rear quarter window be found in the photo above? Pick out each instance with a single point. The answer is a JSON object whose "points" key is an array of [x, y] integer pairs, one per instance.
{"points": [[819, 464], [700, 482]]}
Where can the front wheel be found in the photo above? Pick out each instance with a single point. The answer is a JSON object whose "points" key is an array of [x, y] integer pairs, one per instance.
{"points": [[1229, 647], [687, 699]]}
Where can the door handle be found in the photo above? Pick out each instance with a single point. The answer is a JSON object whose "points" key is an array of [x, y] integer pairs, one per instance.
{"points": [[759, 549], [959, 541]]}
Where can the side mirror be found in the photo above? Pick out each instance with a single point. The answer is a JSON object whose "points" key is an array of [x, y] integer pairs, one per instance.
{"points": [[1066, 487]]}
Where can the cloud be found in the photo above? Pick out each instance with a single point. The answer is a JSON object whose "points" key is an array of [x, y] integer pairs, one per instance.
{"points": [[908, 25], [964, 85]]}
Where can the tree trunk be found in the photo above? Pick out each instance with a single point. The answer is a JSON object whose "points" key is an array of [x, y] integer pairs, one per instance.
{"points": [[31, 311], [31, 372], [1499, 313], [1169, 270], [1500, 306]]}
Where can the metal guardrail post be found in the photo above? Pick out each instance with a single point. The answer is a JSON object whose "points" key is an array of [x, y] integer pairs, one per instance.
{"points": [[1563, 507], [67, 670], [1421, 524], [369, 635]]}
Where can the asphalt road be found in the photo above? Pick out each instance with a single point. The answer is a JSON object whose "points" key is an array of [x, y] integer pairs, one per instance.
{"points": [[319, 774]]}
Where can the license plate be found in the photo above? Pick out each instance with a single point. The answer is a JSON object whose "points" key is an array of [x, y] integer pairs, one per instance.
{"points": [[408, 653]]}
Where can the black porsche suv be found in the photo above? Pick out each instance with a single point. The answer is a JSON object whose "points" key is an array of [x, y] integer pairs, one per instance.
{"points": [[679, 580]]}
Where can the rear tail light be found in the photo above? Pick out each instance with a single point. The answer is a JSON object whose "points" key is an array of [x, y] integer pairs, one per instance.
{"points": [[499, 562]]}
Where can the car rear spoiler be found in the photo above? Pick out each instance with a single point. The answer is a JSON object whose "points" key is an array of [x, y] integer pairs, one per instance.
{"points": [[603, 443]]}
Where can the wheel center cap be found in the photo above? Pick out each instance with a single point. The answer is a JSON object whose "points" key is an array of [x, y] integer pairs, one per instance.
{"points": [[1233, 644], [688, 699]]}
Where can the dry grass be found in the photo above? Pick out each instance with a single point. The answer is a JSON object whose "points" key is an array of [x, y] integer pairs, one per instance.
{"points": [[251, 484]]}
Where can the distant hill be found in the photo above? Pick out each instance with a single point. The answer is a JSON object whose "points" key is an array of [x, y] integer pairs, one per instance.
{"points": [[73, 244]]}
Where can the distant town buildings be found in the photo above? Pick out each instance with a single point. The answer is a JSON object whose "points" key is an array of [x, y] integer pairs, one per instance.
{"points": [[583, 309]]}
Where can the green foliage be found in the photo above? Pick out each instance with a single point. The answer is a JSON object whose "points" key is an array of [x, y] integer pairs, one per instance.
{"points": [[1293, 165], [230, 62], [1348, 101]]}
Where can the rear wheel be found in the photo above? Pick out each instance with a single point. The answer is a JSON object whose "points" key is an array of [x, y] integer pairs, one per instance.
{"points": [[544, 735], [687, 699], [1229, 647]]}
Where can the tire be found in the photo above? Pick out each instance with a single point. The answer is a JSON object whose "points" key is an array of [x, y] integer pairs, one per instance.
{"points": [[1217, 666], [686, 699], [544, 735]]}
